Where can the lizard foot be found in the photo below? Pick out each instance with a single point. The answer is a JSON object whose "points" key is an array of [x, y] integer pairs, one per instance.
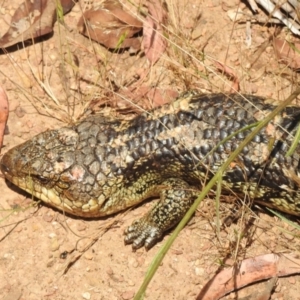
{"points": [[142, 233]]}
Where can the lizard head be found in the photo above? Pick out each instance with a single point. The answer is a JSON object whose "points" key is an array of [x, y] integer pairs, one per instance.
{"points": [[60, 168]]}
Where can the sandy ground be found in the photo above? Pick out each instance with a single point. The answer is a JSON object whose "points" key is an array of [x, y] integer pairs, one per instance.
{"points": [[46, 255]]}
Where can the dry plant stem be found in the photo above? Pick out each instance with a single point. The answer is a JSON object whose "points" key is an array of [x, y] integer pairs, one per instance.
{"points": [[218, 176]]}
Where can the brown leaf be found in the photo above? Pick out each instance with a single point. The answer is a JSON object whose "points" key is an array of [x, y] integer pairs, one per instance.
{"points": [[289, 53], [231, 74], [67, 5], [3, 114], [32, 19], [116, 9], [135, 100], [149, 97], [154, 42], [249, 271], [111, 26]]}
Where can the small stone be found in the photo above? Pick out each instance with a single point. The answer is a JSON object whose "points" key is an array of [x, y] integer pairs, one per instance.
{"points": [[199, 271], [81, 226], [109, 272], [269, 49], [52, 235], [197, 32], [54, 245], [20, 112], [48, 217], [27, 82], [127, 295], [130, 283], [292, 280], [133, 262], [197, 262], [88, 255], [50, 263], [24, 55], [86, 295]]}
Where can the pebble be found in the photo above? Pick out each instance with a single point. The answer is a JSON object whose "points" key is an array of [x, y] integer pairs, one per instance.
{"points": [[24, 55], [86, 295], [81, 226], [88, 256], [133, 262], [199, 271], [27, 82], [109, 272], [48, 217], [127, 295], [130, 283], [53, 57], [52, 235], [54, 245], [50, 263], [20, 112], [197, 32], [292, 280]]}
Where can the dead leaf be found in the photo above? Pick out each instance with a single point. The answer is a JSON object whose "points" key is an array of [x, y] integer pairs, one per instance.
{"points": [[111, 26], [231, 74], [67, 5], [154, 43], [116, 9], [289, 53], [3, 114], [249, 271], [148, 97], [134, 100], [32, 19]]}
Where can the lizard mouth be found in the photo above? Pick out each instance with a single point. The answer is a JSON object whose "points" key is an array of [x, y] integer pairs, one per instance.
{"points": [[6, 166]]}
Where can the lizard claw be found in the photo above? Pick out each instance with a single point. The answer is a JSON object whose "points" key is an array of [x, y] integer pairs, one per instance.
{"points": [[142, 233]]}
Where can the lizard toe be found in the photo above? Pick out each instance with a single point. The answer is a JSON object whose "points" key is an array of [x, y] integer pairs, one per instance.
{"points": [[142, 233]]}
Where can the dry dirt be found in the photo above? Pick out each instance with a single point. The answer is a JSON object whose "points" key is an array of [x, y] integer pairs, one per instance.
{"points": [[47, 255]]}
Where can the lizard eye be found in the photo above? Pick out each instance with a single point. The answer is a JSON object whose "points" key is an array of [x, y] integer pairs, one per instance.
{"points": [[41, 179]]}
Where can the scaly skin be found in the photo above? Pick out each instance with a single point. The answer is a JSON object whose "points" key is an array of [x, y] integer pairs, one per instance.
{"points": [[99, 167]]}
